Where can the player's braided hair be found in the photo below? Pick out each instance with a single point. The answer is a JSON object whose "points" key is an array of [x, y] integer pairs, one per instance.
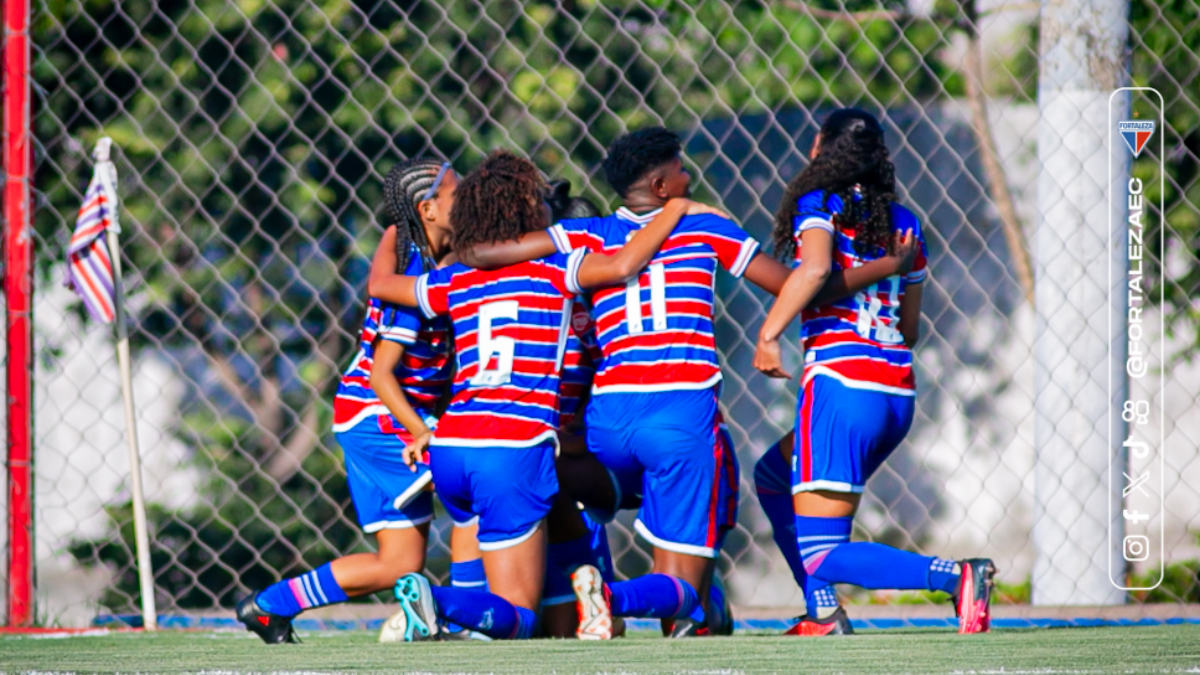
{"points": [[633, 155], [405, 185], [500, 200], [852, 157]]}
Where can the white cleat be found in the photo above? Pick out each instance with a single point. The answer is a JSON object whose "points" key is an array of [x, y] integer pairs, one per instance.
{"points": [[595, 611]]}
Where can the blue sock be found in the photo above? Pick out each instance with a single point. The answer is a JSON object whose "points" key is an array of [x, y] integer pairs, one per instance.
{"points": [[466, 574], [716, 607], [773, 487], [292, 596], [830, 557], [944, 575], [657, 596], [485, 612]]}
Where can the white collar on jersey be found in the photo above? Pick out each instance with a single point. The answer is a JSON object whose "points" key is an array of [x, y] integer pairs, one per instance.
{"points": [[640, 218]]}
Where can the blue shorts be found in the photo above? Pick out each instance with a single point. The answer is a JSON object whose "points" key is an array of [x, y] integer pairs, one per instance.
{"points": [[689, 470], [558, 590], [387, 494], [509, 490], [843, 434]]}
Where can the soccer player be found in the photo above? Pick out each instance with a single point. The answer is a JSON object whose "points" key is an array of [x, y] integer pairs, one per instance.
{"points": [[857, 397], [653, 410], [493, 451], [387, 399]]}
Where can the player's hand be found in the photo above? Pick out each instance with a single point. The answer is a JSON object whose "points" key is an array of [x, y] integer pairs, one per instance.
{"points": [[695, 208], [905, 248], [415, 451], [768, 358]]}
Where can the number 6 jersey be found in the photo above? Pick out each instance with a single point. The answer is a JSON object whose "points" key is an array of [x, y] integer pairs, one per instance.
{"points": [[510, 332], [656, 332]]}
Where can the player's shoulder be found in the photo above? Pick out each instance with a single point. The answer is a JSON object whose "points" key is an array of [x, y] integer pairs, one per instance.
{"points": [[586, 224], [706, 223]]}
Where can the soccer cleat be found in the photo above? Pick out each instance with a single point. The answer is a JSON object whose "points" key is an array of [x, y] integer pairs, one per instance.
{"points": [[837, 623], [973, 601], [272, 628], [685, 628], [462, 634], [417, 619], [594, 604]]}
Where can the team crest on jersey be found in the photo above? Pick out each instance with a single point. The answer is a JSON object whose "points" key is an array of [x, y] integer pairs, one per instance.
{"points": [[1136, 134]]}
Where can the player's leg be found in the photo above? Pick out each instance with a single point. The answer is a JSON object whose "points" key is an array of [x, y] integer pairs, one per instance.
{"points": [[688, 501], [466, 571], [844, 434], [511, 490], [773, 488], [377, 476]]}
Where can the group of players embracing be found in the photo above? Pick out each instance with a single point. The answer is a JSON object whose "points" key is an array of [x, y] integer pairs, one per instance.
{"points": [[539, 366]]}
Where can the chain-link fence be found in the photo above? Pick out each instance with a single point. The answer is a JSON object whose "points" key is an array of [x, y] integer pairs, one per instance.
{"points": [[252, 140]]}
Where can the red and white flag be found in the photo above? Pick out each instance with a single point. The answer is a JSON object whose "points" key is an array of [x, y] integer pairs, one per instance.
{"points": [[89, 262]]}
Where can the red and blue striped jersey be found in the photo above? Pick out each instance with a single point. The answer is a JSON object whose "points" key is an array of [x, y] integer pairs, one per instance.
{"points": [[656, 332], [579, 364], [423, 372], [510, 335], [856, 339]]}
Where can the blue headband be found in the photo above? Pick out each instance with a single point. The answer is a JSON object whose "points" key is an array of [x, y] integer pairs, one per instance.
{"points": [[437, 182]]}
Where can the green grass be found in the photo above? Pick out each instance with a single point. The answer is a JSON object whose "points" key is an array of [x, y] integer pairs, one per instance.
{"points": [[1041, 651]]}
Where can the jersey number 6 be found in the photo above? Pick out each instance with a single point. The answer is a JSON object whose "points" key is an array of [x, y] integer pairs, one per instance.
{"points": [[502, 347]]}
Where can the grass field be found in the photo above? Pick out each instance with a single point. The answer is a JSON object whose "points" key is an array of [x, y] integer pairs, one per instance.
{"points": [[1152, 649]]}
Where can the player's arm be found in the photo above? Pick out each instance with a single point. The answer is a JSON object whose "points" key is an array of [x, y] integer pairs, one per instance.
{"points": [[798, 291], [771, 275], [910, 314], [385, 385], [600, 269], [497, 254], [383, 282]]}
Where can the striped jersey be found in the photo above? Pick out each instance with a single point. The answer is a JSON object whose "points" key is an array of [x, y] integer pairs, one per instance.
{"points": [[423, 371], [656, 332], [510, 335], [579, 363], [856, 339]]}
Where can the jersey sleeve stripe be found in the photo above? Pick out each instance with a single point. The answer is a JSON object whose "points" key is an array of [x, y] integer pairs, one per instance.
{"points": [[810, 222], [745, 255], [422, 292], [574, 262], [558, 235]]}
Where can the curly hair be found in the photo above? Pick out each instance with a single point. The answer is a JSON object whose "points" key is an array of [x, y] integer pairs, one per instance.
{"points": [[632, 156], [500, 200], [403, 188], [852, 159]]}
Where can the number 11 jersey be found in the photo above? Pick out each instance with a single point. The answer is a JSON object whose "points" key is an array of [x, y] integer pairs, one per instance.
{"points": [[656, 332], [510, 332]]}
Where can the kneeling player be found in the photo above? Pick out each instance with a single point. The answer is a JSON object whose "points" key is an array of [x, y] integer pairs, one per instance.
{"points": [[493, 452]]}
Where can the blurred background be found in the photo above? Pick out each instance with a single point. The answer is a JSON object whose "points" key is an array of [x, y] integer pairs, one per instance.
{"points": [[251, 139]]}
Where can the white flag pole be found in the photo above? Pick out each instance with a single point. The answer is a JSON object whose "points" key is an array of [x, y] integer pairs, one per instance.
{"points": [[108, 173]]}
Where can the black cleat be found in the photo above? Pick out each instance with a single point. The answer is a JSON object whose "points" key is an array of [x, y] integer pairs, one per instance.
{"points": [[685, 628], [272, 628], [837, 623]]}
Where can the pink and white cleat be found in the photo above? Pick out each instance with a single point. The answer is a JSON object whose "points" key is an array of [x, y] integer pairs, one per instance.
{"points": [[973, 601], [595, 607]]}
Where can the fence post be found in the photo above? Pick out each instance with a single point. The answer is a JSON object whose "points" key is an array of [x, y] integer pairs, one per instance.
{"points": [[18, 293], [1082, 60]]}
